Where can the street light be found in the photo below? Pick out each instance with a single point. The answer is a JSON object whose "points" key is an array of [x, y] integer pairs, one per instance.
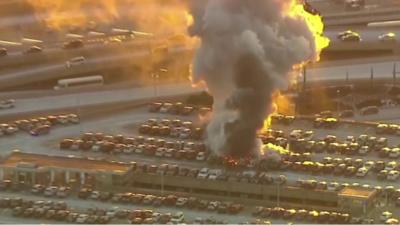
{"points": [[338, 96], [156, 77]]}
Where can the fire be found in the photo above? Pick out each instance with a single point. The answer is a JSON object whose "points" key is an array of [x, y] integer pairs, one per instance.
{"points": [[189, 18], [275, 148], [296, 9], [167, 17], [314, 23]]}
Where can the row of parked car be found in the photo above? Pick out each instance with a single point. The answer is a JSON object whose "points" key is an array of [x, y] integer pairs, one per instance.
{"points": [[389, 129], [304, 141], [49, 210], [312, 216], [171, 128], [38, 126], [177, 108], [119, 144], [159, 201]]}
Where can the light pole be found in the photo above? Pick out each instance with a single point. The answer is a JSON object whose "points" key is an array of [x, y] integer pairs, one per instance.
{"points": [[304, 77], [372, 76], [155, 77], [162, 184], [278, 193], [338, 103]]}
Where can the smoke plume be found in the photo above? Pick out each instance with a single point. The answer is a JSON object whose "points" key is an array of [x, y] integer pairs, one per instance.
{"points": [[247, 50]]}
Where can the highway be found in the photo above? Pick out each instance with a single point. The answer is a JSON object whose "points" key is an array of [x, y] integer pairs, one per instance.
{"points": [[98, 98], [367, 34], [327, 7], [354, 71], [99, 57]]}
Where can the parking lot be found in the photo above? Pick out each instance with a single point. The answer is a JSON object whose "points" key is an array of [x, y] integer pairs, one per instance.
{"points": [[126, 141]]}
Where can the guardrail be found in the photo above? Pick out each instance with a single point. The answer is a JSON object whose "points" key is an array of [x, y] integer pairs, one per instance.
{"points": [[362, 17]]}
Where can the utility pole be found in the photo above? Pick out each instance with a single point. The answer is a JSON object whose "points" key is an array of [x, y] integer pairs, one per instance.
{"points": [[304, 77], [278, 195], [338, 102], [347, 75], [372, 76], [394, 73]]}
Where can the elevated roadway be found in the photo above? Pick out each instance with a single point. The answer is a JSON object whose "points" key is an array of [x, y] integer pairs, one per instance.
{"points": [[74, 102]]}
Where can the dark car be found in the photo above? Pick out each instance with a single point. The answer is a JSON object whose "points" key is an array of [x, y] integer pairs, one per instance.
{"points": [[84, 193], [155, 106], [346, 114], [33, 50], [66, 143], [5, 184], [3, 52], [41, 130], [73, 44]]}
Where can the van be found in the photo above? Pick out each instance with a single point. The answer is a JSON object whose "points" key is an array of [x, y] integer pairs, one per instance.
{"points": [[77, 61]]}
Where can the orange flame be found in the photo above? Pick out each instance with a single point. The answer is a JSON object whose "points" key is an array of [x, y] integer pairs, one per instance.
{"points": [[314, 22], [153, 16]]}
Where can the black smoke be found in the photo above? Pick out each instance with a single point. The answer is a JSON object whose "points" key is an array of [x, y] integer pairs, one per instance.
{"points": [[248, 48]]}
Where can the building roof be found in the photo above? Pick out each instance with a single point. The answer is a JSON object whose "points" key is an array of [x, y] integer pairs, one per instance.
{"points": [[357, 192], [20, 159]]}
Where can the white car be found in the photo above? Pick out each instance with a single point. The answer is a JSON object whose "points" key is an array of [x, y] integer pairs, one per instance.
{"points": [[201, 156], [391, 166], [160, 152], [176, 132], [82, 218], [139, 149], [213, 205], [77, 61], [362, 172], [94, 195], [11, 130], [178, 218], [62, 119], [334, 186], [213, 174], [295, 134], [364, 150], [156, 216], [388, 37], [50, 191], [129, 149], [62, 192], [96, 147], [185, 133], [165, 108], [394, 153], [203, 173], [393, 175], [385, 216], [7, 104], [73, 118], [350, 139], [181, 201]]}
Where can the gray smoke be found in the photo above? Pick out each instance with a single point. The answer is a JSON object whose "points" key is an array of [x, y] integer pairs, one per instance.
{"points": [[248, 48]]}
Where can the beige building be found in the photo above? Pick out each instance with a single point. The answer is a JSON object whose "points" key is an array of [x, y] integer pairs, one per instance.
{"points": [[43, 169], [357, 200]]}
